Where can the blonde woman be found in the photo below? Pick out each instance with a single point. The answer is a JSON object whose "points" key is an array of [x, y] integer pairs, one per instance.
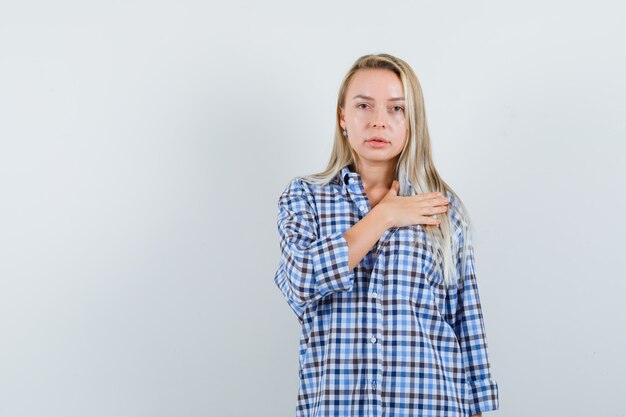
{"points": [[377, 264]]}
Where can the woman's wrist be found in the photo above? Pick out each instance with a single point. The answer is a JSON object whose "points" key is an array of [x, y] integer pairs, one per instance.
{"points": [[382, 217]]}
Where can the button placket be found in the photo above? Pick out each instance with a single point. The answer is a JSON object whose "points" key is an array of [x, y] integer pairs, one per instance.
{"points": [[357, 194], [377, 348]]}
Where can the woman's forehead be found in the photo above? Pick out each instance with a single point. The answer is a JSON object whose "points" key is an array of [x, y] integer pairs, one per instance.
{"points": [[375, 84]]}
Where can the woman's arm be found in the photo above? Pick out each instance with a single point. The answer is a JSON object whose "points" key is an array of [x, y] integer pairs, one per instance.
{"points": [[313, 266], [470, 330], [363, 235]]}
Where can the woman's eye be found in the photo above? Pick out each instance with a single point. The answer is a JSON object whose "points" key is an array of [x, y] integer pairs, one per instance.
{"points": [[399, 107], [362, 104]]}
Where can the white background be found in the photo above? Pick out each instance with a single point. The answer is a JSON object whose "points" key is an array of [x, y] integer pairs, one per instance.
{"points": [[143, 146]]}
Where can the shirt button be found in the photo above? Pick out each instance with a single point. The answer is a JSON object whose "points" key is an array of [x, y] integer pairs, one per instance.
{"points": [[374, 384], [363, 207], [374, 295], [373, 339], [351, 181]]}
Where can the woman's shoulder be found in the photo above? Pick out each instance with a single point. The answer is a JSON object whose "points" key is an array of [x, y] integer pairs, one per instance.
{"points": [[296, 187], [301, 186], [457, 212]]}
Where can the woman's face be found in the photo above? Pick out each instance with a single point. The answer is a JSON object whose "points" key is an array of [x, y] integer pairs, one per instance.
{"points": [[374, 106]]}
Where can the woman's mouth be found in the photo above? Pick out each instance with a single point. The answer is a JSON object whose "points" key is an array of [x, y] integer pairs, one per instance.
{"points": [[377, 142]]}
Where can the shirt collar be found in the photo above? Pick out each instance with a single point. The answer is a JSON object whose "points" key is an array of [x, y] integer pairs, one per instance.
{"points": [[346, 175]]}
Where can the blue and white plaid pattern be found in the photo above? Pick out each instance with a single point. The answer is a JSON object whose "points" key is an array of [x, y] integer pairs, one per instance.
{"points": [[386, 338]]}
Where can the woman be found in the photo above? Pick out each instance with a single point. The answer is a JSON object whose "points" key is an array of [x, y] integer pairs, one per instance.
{"points": [[377, 264]]}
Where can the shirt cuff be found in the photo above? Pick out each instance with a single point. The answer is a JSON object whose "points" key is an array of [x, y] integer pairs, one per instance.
{"points": [[483, 396], [330, 263]]}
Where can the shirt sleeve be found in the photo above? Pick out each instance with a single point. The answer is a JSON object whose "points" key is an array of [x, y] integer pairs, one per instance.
{"points": [[311, 266], [470, 330]]}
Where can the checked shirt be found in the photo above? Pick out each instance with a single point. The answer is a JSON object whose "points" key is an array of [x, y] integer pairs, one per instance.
{"points": [[387, 338]]}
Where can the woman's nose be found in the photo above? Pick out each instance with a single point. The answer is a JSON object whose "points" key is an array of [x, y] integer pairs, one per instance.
{"points": [[379, 119], [378, 123]]}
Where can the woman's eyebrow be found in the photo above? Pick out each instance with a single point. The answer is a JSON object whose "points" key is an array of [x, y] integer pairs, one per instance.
{"points": [[371, 98]]}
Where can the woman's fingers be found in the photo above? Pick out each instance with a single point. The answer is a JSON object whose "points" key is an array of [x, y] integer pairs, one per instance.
{"points": [[417, 209], [435, 200], [430, 220], [431, 204]]}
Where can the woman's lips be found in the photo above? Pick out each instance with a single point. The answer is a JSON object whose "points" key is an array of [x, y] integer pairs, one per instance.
{"points": [[375, 143]]}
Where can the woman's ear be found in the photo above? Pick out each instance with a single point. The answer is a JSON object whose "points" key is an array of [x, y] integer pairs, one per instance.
{"points": [[342, 120]]}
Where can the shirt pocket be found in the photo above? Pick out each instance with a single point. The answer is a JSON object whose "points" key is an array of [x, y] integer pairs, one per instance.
{"points": [[420, 266], [410, 267]]}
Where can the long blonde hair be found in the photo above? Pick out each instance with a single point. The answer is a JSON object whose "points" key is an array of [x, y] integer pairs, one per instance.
{"points": [[414, 163]]}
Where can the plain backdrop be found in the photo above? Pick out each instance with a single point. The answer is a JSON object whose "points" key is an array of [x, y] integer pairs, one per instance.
{"points": [[144, 144]]}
